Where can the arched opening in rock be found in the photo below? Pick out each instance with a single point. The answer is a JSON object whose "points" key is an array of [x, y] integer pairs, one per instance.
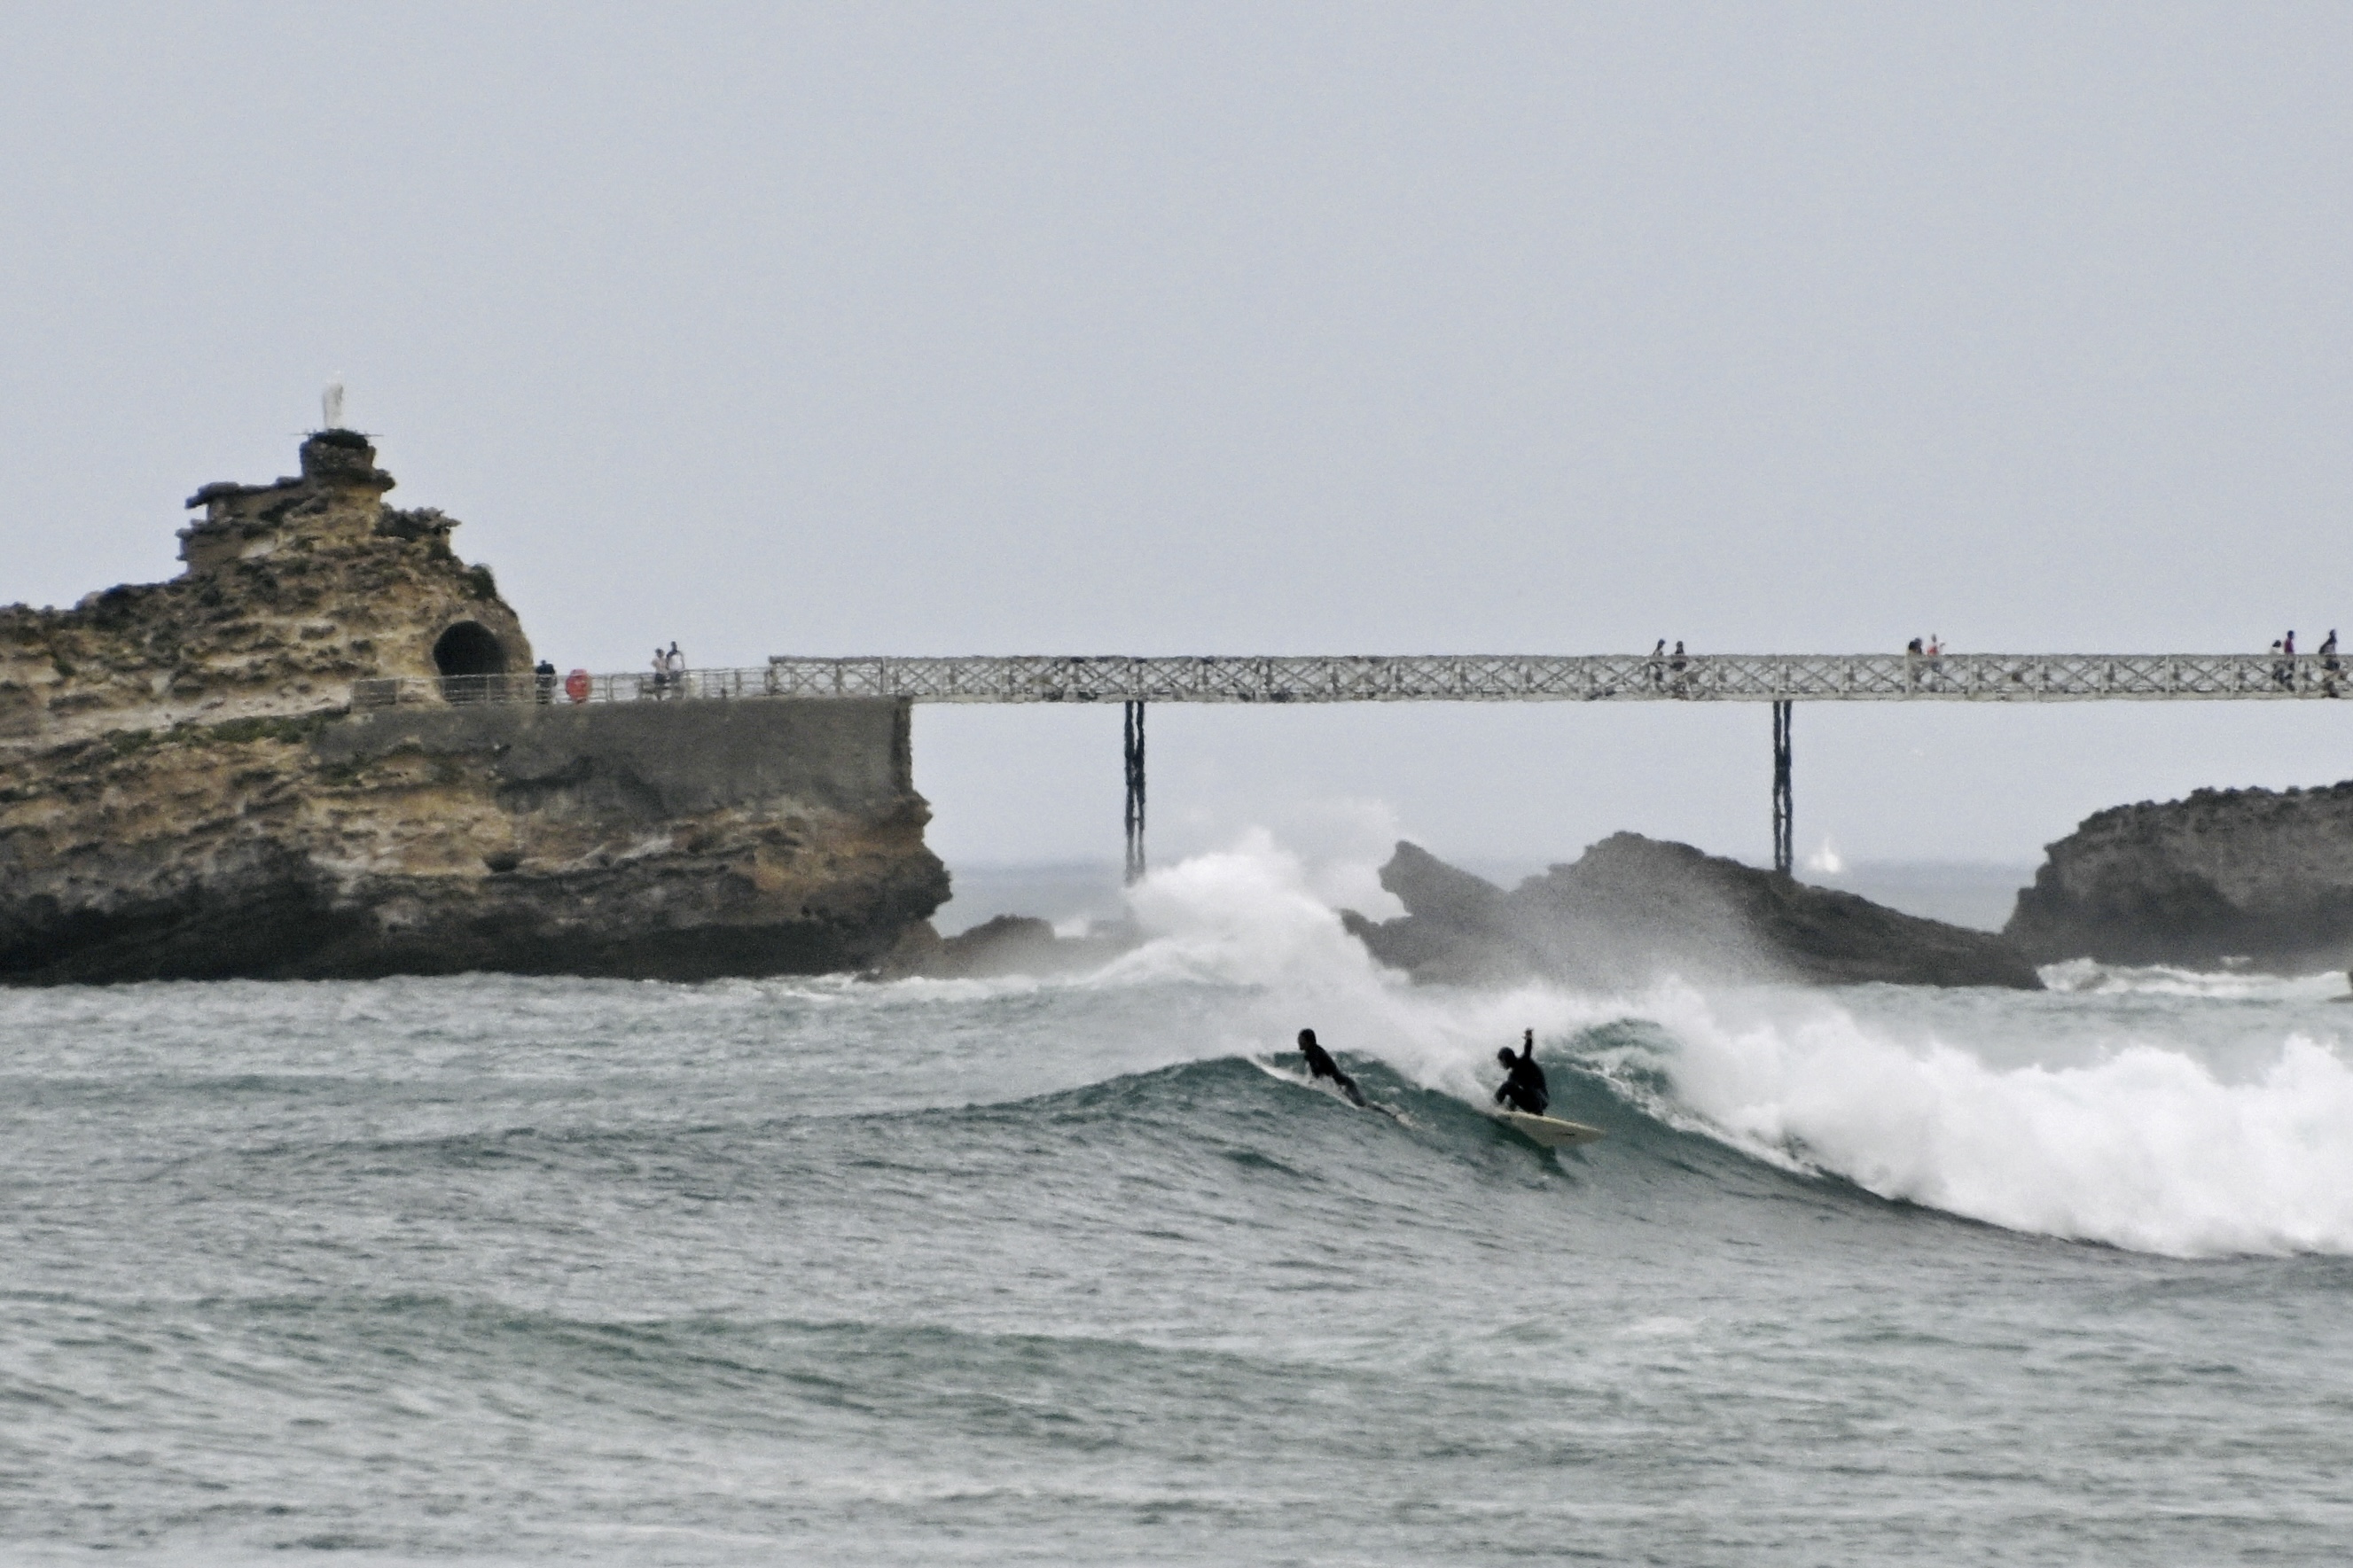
{"points": [[468, 649]]}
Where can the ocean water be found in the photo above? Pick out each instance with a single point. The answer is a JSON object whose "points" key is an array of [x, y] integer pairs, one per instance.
{"points": [[505, 1270], [1074, 894]]}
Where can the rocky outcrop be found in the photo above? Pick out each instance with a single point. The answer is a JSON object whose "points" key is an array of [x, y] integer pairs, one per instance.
{"points": [[673, 841], [2254, 875], [1006, 944], [1633, 908], [185, 792], [293, 590]]}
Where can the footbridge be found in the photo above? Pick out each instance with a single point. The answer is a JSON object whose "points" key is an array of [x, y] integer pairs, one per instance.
{"points": [[1781, 679]]}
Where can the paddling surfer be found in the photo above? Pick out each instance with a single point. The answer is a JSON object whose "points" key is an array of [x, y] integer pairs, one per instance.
{"points": [[1523, 1087], [1321, 1065]]}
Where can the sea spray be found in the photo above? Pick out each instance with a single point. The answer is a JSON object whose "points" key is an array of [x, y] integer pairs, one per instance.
{"points": [[2146, 1149], [2040, 1114], [1249, 917]]}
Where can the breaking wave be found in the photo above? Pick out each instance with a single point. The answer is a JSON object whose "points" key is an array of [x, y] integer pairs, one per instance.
{"points": [[2158, 1110]]}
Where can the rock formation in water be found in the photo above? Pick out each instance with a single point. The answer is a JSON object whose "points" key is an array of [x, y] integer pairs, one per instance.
{"points": [[2256, 875], [1006, 944], [184, 790], [1633, 908]]}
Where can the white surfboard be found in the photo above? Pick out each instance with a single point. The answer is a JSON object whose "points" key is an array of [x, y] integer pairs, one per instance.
{"points": [[1332, 1090], [1550, 1131]]}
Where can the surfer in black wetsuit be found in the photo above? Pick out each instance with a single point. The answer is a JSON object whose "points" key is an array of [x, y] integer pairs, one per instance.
{"points": [[1523, 1087], [1321, 1065]]}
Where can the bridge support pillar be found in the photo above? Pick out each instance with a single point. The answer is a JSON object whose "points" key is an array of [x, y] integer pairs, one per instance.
{"points": [[1784, 807], [1134, 746]]}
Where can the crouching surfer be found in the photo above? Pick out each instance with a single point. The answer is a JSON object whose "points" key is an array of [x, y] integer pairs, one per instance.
{"points": [[1523, 1087], [1321, 1065]]}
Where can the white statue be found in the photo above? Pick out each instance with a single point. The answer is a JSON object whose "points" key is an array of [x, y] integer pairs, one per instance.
{"points": [[330, 404]]}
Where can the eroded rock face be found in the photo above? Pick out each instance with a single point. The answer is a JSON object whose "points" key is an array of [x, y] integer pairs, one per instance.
{"points": [[293, 590], [184, 794], [1633, 908], [672, 840], [2250, 874]]}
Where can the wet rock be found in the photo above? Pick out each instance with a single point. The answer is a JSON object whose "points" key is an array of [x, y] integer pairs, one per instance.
{"points": [[1006, 944], [670, 841], [1633, 908], [2254, 876]]}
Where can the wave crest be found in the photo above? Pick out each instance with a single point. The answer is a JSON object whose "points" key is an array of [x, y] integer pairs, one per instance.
{"points": [[2146, 1148], [2100, 1114]]}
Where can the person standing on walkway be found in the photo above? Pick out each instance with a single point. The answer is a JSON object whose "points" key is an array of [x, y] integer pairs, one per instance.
{"points": [[675, 662], [661, 672]]}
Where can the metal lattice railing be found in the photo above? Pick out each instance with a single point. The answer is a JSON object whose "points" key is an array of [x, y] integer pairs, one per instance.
{"points": [[1435, 677]]}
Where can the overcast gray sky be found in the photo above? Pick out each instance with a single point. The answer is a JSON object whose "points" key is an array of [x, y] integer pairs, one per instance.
{"points": [[1263, 328]]}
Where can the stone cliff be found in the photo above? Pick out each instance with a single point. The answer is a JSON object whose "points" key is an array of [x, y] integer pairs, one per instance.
{"points": [[2249, 874], [1633, 908], [185, 793], [293, 590]]}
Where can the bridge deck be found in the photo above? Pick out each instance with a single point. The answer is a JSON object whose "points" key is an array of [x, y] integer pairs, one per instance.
{"points": [[1457, 677]]}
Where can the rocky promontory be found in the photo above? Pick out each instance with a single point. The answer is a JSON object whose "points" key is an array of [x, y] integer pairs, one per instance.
{"points": [[1633, 908], [186, 791], [2255, 876]]}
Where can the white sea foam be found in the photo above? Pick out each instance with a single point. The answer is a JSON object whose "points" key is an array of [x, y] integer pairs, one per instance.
{"points": [[1244, 916], [2085, 974], [2138, 1140], [2147, 1148]]}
